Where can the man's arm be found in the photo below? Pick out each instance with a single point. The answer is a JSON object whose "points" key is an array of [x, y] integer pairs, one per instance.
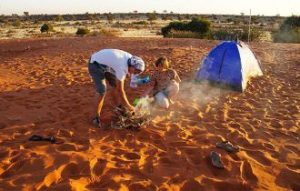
{"points": [[121, 90], [177, 78]]}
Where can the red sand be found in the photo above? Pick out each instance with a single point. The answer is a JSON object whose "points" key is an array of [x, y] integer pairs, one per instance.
{"points": [[45, 89]]}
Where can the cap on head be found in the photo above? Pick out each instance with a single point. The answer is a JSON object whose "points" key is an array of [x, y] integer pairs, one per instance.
{"points": [[137, 63]]}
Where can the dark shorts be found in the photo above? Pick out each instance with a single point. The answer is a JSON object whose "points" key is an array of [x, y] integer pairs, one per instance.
{"points": [[99, 74]]}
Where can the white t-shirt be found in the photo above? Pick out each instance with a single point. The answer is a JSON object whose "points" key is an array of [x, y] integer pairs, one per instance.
{"points": [[115, 59]]}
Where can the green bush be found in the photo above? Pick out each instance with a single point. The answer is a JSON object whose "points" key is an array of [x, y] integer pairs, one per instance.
{"points": [[151, 16], [109, 33], [290, 23], [82, 31], [178, 26], [233, 34], [201, 26], [186, 34], [287, 36], [289, 31], [46, 28], [197, 25], [17, 23], [139, 23], [224, 34]]}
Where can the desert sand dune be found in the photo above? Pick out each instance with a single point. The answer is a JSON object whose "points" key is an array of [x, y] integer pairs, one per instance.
{"points": [[46, 90]]}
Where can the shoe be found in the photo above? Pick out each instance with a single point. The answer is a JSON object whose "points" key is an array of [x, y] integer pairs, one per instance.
{"points": [[50, 139], [216, 160], [97, 122], [227, 146]]}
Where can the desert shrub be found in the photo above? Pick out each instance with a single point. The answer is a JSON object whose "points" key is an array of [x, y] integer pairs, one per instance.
{"points": [[290, 23], [77, 23], [10, 31], [185, 34], [59, 18], [3, 20], [233, 34], [178, 26], [46, 28], [16, 23], [109, 17], [287, 36], [109, 32], [139, 23], [36, 22], [151, 16], [31, 31], [224, 34], [82, 31], [197, 25], [289, 31], [106, 33]]}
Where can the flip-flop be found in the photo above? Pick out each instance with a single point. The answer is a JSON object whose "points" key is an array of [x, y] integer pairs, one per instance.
{"points": [[227, 146], [50, 139], [36, 138], [216, 160]]}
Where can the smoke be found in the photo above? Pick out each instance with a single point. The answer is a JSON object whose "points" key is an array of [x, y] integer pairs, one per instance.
{"points": [[192, 95], [198, 93]]}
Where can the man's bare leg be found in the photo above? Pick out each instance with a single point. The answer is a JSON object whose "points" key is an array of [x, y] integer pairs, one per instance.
{"points": [[100, 102]]}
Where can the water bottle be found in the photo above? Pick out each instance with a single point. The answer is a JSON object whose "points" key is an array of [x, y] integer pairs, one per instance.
{"points": [[136, 80], [144, 80]]}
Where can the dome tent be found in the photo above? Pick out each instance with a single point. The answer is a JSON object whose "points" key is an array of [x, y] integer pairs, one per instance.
{"points": [[230, 63]]}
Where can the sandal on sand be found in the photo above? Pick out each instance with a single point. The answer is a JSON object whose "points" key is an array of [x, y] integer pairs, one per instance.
{"points": [[97, 122], [216, 159], [227, 146], [50, 139]]}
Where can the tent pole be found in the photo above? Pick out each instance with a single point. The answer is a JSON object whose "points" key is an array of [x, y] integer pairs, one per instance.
{"points": [[249, 28]]}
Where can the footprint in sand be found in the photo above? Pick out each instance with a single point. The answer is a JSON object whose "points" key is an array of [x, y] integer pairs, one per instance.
{"points": [[99, 167], [137, 186], [132, 156], [259, 157], [66, 147], [247, 173], [289, 179], [192, 185]]}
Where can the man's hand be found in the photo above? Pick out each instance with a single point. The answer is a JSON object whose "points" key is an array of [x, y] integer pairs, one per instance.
{"points": [[120, 88], [131, 108]]}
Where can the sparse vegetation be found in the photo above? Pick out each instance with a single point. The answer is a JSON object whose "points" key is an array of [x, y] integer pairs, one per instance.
{"points": [[139, 23], [184, 34], [289, 31], [220, 26], [233, 34], [16, 23], [151, 17], [59, 18], [109, 17], [110, 33]]}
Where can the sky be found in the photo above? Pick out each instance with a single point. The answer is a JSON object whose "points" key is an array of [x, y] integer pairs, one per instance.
{"points": [[258, 7]]}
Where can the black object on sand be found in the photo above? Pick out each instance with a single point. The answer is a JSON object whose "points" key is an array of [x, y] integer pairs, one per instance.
{"points": [[50, 139], [227, 146], [216, 160]]}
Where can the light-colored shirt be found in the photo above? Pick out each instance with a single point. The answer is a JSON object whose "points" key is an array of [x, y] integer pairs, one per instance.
{"points": [[115, 59]]}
